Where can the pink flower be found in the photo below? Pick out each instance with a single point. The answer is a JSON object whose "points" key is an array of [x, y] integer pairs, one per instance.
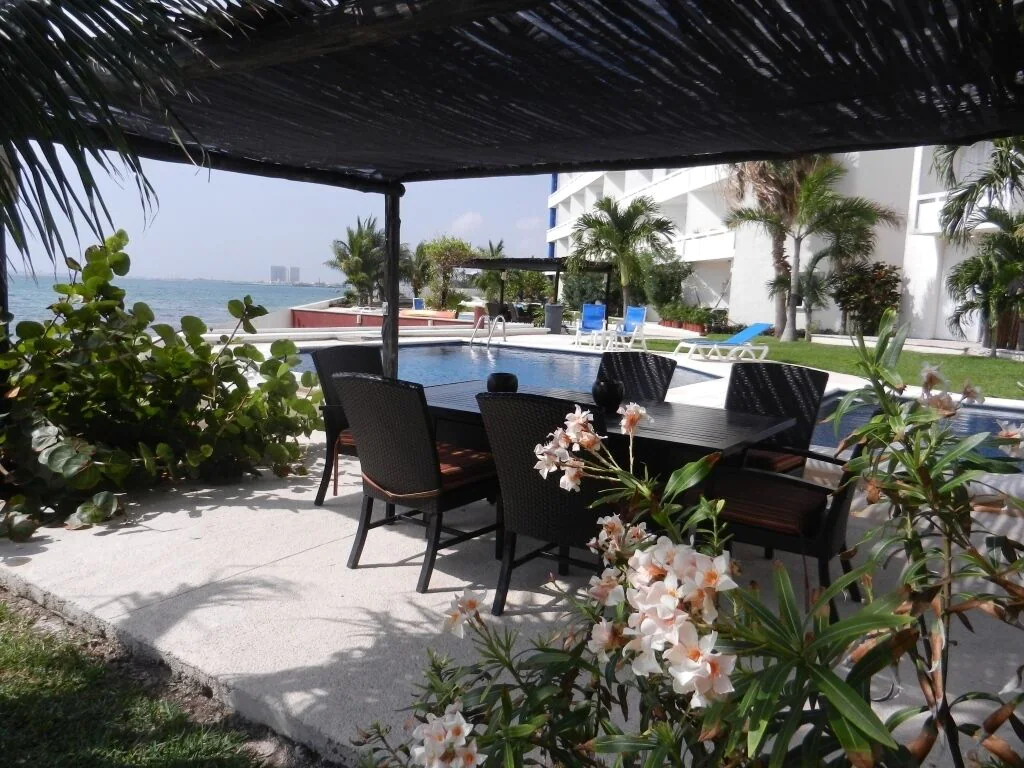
{"points": [[571, 478], [462, 608], [713, 574], [632, 414], [604, 638], [972, 395], [931, 378], [607, 589]]}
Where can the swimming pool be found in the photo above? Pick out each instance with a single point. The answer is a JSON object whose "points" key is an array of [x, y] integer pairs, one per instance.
{"points": [[431, 364], [970, 420]]}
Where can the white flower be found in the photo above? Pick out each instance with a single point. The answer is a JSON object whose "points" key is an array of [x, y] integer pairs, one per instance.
{"points": [[433, 736], [607, 589], [931, 378], [445, 741], [632, 414], [713, 574], [456, 726], [972, 395], [717, 683], [571, 478], [466, 757], [1010, 431], [547, 460], [579, 417], [604, 637], [686, 660], [461, 609], [636, 534], [645, 661], [612, 527]]}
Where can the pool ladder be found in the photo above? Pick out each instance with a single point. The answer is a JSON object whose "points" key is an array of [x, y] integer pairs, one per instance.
{"points": [[483, 320]]}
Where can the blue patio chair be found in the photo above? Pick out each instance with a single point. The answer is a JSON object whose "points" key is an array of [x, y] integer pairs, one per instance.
{"points": [[419, 303], [736, 347], [591, 324], [630, 330]]}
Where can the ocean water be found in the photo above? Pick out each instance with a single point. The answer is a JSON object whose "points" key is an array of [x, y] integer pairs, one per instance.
{"points": [[169, 299]]}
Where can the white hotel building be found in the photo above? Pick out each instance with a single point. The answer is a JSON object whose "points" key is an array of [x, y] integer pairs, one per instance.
{"points": [[731, 268]]}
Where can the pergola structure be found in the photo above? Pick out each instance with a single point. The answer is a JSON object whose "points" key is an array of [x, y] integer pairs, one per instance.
{"points": [[555, 266], [375, 94]]}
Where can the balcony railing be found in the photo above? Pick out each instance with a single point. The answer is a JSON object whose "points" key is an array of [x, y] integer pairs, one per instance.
{"points": [[712, 245]]}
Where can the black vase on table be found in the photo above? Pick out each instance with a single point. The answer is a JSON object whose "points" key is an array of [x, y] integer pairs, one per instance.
{"points": [[607, 394], [502, 382]]}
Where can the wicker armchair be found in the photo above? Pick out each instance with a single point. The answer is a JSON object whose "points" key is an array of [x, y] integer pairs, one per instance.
{"points": [[778, 389], [330, 363], [645, 376], [780, 511], [534, 506], [403, 464]]}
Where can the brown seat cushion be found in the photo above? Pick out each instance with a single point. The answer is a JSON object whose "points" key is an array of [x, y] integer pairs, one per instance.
{"points": [[773, 461], [346, 444], [758, 501], [463, 465]]}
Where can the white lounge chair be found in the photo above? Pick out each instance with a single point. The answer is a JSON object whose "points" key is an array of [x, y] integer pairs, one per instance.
{"points": [[736, 347]]}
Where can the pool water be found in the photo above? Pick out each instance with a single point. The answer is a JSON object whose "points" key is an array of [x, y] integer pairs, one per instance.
{"points": [[970, 420], [431, 364]]}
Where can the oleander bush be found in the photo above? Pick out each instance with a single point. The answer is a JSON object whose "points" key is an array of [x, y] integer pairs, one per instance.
{"points": [[668, 660], [102, 399]]}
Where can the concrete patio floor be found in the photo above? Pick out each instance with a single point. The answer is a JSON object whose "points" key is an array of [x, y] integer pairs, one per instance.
{"points": [[245, 587]]}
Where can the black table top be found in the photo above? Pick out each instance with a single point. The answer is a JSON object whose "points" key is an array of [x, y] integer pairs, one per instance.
{"points": [[710, 429]]}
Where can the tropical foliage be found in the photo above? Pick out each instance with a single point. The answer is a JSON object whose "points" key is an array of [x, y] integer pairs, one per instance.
{"points": [[361, 256], [990, 283], [668, 661], [846, 224], [773, 185], [865, 292], [812, 290], [64, 65], [489, 280], [103, 399], [665, 282], [630, 236], [446, 255], [416, 268], [996, 183]]}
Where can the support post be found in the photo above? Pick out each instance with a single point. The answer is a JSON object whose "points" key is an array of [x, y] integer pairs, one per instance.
{"points": [[393, 248], [501, 293], [554, 295], [608, 291]]}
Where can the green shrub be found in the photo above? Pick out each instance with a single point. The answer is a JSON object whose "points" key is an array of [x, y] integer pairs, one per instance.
{"points": [[102, 399], [665, 282], [864, 292]]}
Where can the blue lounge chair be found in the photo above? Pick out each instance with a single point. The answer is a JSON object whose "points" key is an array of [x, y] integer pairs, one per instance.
{"points": [[630, 330], [736, 347], [419, 303], [591, 324]]}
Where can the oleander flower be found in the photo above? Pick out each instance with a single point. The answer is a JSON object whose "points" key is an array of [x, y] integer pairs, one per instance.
{"points": [[1010, 431], [931, 378], [571, 478], [941, 401], [607, 588], [713, 573], [461, 609], [605, 637], [445, 741], [971, 394], [548, 460], [632, 415]]}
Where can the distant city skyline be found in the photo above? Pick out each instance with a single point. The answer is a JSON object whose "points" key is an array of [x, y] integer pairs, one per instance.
{"points": [[227, 226]]}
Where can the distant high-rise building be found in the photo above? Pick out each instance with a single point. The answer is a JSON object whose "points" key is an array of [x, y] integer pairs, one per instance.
{"points": [[279, 274], [293, 273]]}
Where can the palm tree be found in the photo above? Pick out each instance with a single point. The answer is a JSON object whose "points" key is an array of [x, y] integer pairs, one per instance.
{"points": [[818, 210], [361, 256], [64, 65], [995, 184], [630, 237], [991, 282], [416, 268], [489, 280], [813, 291], [773, 184]]}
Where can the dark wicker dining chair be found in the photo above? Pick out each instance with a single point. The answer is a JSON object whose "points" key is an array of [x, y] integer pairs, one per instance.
{"points": [[778, 389], [779, 511], [331, 362], [403, 464], [531, 505], [645, 376]]}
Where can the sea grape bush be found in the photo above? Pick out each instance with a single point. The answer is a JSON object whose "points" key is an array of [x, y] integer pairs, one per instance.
{"points": [[101, 399], [668, 659]]}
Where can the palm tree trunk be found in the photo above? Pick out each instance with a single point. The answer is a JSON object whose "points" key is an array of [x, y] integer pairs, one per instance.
{"points": [[781, 269], [993, 335], [789, 334], [626, 297]]}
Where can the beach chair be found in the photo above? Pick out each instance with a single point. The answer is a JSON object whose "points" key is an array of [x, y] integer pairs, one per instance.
{"points": [[630, 330], [736, 347], [419, 303], [591, 324]]}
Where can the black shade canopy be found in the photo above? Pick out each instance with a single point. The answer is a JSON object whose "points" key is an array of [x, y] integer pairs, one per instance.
{"points": [[374, 93]]}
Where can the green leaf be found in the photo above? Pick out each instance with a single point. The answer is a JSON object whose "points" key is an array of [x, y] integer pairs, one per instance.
{"points": [[119, 263], [193, 326], [167, 334], [850, 705], [142, 311], [788, 610], [148, 459], [619, 743], [236, 309], [29, 329], [689, 475], [20, 526], [283, 348], [99, 508], [851, 739]]}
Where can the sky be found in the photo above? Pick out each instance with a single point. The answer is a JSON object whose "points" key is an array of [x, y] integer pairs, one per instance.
{"points": [[229, 226]]}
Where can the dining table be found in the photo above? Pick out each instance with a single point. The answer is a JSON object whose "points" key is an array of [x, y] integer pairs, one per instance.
{"points": [[695, 428]]}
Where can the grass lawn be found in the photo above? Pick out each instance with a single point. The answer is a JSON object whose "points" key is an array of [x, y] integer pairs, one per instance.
{"points": [[59, 707], [997, 378]]}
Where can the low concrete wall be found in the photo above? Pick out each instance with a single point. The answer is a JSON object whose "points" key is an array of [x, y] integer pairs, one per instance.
{"points": [[341, 318]]}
